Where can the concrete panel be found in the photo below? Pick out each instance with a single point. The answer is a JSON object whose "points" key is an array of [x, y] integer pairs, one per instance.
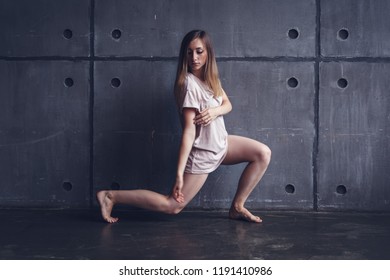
{"points": [[355, 28], [353, 162], [246, 28], [44, 133], [44, 28], [136, 126]]}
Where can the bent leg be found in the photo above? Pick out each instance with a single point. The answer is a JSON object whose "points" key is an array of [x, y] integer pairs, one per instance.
{"points": [[258, 156], [148, 199]]}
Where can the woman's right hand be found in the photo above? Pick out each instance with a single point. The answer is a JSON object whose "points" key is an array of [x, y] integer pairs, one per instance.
{"points": [[206, 116], [176, 191]]}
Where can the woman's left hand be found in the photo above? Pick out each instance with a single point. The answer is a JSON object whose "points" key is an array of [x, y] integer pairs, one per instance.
{"points": [[176, 191], [206, 116]]}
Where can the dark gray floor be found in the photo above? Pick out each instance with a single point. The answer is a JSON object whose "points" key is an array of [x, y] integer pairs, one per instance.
{"points": [[80, 234]]}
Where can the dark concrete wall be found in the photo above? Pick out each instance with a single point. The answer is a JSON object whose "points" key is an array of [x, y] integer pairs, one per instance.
{"points": [[86, 98]]}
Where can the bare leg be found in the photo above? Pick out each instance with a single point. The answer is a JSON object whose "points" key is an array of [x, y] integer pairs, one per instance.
{"points": [[258, 156], [148, 199]]}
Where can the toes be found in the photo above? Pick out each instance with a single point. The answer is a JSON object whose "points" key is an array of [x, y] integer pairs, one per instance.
{"points": [[111, 220], [255, 219], [244, 214]]}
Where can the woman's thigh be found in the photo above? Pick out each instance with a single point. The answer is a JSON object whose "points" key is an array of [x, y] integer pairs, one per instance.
{"points": [[242, 149], [192, 183]]}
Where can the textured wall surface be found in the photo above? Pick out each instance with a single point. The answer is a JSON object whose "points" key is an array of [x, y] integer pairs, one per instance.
{"points": [[44, 135], [86, 99], [354, 144]]}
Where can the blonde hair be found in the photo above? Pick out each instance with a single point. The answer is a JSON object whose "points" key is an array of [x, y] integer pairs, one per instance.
{"points": [[211, 76]]}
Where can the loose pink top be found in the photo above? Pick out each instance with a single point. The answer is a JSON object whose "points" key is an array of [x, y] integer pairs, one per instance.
{"points": [[210, 146]]}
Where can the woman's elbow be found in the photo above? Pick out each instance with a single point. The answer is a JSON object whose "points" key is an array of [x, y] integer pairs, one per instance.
{"points": [[230, 107]]}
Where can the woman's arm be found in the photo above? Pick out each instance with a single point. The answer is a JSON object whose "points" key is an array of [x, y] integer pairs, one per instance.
{"points": [[226, 106], [187, 140], [206, 116]]}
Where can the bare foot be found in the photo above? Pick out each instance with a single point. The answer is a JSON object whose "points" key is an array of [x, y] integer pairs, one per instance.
{"points": [[106, 205], [243, 214]]}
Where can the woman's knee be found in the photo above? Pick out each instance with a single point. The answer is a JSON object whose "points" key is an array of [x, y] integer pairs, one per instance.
{"points": [[263, 154], [174, 210], [173, 207]]}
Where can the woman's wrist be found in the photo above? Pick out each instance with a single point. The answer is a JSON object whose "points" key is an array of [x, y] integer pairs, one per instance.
{"points": [[217, 111]]}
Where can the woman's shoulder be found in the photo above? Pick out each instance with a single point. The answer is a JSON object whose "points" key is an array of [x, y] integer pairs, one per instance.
{"points": [[190, 80], [191, 84]]}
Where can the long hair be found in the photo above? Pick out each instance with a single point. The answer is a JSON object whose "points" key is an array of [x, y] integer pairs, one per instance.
{"points": [[211, 76]]}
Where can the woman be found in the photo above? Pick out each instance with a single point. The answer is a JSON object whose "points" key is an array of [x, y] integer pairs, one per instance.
{"points": [[205, 143]]}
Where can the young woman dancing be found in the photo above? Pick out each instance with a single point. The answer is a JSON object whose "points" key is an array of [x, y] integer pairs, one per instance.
{"points": [[205, 144]]}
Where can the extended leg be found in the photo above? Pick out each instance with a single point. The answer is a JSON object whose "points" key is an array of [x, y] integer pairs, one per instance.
{"points": [[148, 199], [258, 156]]}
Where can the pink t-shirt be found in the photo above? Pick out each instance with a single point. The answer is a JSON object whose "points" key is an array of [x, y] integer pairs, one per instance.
{"points": [[210, 146]]}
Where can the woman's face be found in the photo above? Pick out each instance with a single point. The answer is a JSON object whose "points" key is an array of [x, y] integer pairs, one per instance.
{"points": [[196, 56]]}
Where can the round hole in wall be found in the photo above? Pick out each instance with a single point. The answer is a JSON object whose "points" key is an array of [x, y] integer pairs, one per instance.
{"points": [[342, 83], [67, 34], [292, 82], [115, 82], [116, 34], [293, 33], [68, 82], [341, 189], [115, 186], [290, 188], [67, 186], [343, 34]]}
